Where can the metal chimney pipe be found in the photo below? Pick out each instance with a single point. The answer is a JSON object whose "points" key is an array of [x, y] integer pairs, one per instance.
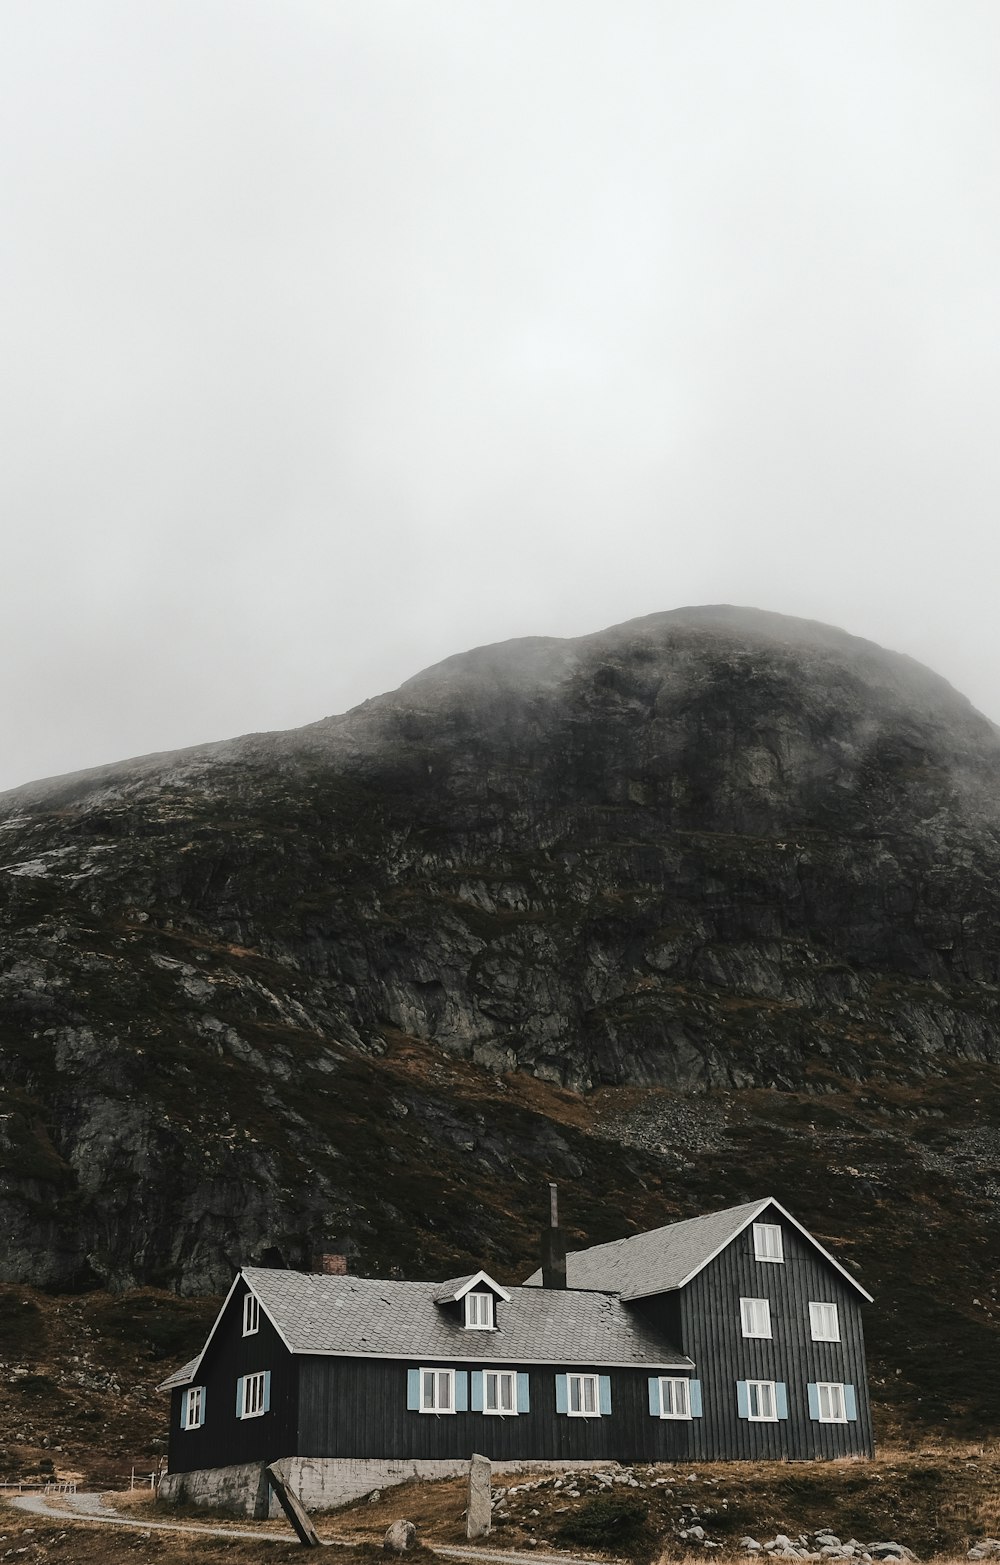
{"points": [[553, 1246]]}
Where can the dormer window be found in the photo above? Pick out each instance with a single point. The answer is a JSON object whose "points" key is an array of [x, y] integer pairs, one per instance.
{"points": [[479, 1312]]}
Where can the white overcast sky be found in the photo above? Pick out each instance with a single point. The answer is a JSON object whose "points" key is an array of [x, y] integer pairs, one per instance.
{"points": [[341, 335]]}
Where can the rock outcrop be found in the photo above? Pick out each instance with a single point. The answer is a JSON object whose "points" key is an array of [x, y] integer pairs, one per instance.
{"points": [[254, 996]]}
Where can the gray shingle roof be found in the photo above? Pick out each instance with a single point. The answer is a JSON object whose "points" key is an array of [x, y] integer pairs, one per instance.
{"points": [[446, 1292], [668, 1257], [364, 1317], [656, 1261], [180, 1377]]}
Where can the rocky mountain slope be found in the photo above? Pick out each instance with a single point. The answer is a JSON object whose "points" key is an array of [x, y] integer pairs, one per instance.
{"points": [[700, 907]]}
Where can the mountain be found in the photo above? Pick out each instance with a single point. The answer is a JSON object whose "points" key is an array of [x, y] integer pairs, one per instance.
{"points": [[702, 907]]}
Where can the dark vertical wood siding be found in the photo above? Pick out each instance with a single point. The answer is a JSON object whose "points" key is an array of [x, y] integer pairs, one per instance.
{"points": [[225, 1439], [709, 1331], [357, 1407]]}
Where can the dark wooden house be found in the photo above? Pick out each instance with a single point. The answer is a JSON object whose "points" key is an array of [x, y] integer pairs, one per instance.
{"points": [[734, 1335]]}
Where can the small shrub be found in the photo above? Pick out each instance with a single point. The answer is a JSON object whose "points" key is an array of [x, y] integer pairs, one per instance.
{"points": [[612, 1524]]}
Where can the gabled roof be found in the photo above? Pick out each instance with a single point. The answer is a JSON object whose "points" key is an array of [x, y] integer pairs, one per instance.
{"points": [[669, 1257], [458, 1287], [360, 1317]]}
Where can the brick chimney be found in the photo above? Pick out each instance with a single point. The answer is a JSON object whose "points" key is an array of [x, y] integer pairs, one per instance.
{"points": [[331, 1265], [553, 1246]]}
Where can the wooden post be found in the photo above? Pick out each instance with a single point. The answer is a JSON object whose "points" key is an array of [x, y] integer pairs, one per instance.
{"points": [[294, 1510]]}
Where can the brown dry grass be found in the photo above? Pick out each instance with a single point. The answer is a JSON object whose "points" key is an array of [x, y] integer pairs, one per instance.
{"points": [[936, 1500]]}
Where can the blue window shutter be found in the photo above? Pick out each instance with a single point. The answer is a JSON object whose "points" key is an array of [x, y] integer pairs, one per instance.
{"points": [[267, 1391], [184, 1408], [694, 1397], [204, 1401], [604, 1388], [562, 1394], [478, 1378], [813, 1401], [461, 1391], [781, 1399], [654, 1396], [850, 1404], [239, 1397], [413, 1390], [523, 1395], [742, 1399]]}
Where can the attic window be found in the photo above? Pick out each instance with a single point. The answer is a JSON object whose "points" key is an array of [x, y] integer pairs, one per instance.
{"points": [[767, 1242], [479, 1312], [251, 1315]]}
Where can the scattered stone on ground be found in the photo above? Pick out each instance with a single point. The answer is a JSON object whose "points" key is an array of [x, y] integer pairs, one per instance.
{"points": [[692, 1525]]}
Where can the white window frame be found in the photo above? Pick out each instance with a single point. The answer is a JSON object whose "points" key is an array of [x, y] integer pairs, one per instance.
{"points": [[253, 1394], [498, 1376], [479, 1312], [251, 1314], [675, 1391], [582, 1381], [768, 1237], [755, 1317], [441, 1376], [194, 1404], [759, 1387], [817, 1311], [833, 1390]]}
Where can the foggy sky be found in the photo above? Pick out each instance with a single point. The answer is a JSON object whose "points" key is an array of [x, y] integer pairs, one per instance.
{"points": [[342, 335]]}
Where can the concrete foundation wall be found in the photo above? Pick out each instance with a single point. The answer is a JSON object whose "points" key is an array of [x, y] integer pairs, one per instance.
{"points": [[321, 1483], [242, 1491]]}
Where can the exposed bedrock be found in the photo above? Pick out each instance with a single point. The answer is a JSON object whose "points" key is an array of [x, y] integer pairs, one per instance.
{"points": [[710, 850]]}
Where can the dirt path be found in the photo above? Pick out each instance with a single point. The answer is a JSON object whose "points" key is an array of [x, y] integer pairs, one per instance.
{"points": [[91, 1508]]}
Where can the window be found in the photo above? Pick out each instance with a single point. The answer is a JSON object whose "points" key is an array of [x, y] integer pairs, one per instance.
{"points": [[583, 1396], [251, 1315], [253, 1395], [767, 1242], [674, 1396], [761, 1402], [823, 1323], [193, 1407], [499, 1391], [437, 1391], [831, 1403], [674, 1399], [479, 1312], [586, 1396], [756, 1317]]}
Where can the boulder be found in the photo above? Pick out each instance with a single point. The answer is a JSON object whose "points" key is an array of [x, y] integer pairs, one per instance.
{"points": [[399, 1536]]}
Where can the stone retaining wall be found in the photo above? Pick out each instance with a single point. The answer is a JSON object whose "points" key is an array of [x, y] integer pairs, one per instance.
{"points": [[321, 1483]]}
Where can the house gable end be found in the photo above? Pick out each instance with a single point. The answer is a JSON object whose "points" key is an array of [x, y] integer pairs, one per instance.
{"points": [[766, 1208]]}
